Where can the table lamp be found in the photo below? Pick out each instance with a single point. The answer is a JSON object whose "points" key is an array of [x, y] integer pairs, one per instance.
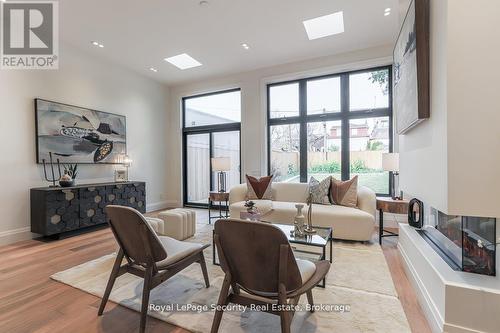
{"points": [[390, 162], [221, 165], [126, 162]]}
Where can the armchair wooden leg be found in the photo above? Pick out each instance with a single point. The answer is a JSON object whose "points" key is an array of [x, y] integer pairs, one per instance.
{"points": [[145, 297], [203, 265], [111, 281], [285, 317], [310, 299], [222, 301]]}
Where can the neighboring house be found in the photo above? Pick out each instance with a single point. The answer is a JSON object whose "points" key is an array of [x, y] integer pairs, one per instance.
{"points": [[196, 117], [360, 136]]}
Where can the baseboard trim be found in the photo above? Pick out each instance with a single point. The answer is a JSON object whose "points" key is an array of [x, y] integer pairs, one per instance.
{"points": [[162, 205], [436, 322], [15, 235]]}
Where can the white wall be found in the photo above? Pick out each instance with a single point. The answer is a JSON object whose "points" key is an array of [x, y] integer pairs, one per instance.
{"points": [[423, 150], [86, 81], [253, 104], [473, 108], [452, 160]]}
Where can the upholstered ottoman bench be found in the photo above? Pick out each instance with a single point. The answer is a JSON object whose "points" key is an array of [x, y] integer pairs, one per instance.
{"points": [[156, 224], [178, 223]]}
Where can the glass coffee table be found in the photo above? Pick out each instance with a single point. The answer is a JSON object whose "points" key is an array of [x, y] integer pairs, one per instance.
{"points": [[303, 247]]}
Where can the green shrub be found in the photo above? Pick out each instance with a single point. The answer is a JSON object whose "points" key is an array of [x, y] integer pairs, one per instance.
{"points": [[328, 167]]}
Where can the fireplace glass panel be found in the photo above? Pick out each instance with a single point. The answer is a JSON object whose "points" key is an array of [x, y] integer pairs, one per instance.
{"points": [[465, 243]]}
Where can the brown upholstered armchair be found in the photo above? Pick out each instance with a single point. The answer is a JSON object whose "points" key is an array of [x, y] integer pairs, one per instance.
{"points": [[257, 260], [154, 258]]}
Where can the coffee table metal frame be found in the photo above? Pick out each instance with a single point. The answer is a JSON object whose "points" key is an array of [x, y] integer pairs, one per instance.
{"points": [[304, 241]]}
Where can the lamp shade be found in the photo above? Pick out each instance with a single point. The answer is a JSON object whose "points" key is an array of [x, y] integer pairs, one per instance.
{"points": [[390, 162], [221, 164]]}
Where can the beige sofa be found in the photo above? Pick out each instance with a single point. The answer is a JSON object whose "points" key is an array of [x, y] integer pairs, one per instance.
{"points": [[348, 223]]}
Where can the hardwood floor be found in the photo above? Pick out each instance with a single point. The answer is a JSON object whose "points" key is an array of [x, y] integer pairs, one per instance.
{"points": [[31, 302]]}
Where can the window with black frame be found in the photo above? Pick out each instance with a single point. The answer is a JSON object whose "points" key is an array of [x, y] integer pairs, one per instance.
{"points": [[211, 129], [337, 125]]}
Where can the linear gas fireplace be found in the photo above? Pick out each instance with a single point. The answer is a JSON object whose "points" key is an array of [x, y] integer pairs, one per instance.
{"points": [[466, 243]]}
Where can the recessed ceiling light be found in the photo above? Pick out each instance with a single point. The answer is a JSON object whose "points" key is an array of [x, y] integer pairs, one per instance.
{"points": [[323, 26], [245, 46], [152, 69], [183, 61], [387, 12], [388, 9], [97, 44], [203, 3]]}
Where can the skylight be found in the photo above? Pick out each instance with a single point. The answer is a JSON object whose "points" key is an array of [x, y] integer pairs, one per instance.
{"points": [[183, 61], [324, 26]]}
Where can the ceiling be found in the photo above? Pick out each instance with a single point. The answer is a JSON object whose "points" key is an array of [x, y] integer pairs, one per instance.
{"points": [[140, 34]]}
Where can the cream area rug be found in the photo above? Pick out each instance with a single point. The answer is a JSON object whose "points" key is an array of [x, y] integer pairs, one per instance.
{"points": [[359, 294]]}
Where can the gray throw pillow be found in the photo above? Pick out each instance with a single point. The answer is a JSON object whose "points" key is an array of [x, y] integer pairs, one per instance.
{"points": [[320, 191]]}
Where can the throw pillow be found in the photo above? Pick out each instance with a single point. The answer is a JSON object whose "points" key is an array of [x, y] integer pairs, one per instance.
{"points": [[320, 190], [259, 188], [345, 193]]}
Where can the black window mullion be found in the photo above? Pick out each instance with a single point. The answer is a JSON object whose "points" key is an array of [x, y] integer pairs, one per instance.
{"points": [[345, 139], [211, 154], [303, 130], [344, 117]]}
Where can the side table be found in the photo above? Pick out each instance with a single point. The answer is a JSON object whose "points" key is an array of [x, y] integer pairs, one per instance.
{"points": [[389, 205], [220, 197]]}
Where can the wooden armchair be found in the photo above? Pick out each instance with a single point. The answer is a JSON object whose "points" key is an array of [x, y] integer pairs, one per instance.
{"points": [[151, 257], [257, 260]]}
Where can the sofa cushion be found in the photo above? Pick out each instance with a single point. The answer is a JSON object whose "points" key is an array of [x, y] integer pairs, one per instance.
{"points": [[320, 191], [259, 188], [290, 192], [345, 193]]}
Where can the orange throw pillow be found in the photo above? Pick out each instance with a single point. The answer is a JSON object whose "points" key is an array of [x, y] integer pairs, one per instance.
{"points": [[345, 193], [259, 188]]}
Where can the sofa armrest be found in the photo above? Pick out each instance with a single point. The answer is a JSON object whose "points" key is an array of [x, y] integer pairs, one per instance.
{"points": [[367, 200], [238, 193]]}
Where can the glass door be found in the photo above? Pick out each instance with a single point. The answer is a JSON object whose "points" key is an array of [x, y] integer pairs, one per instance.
{"points": [[211, 127], [227, 144], [198, 168], [199, 176]]}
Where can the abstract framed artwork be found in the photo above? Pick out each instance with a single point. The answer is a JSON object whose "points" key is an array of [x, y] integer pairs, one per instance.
{"points": [[411, 68], [78, 135]]}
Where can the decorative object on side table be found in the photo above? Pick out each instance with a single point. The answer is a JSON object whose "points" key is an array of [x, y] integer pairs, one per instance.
{"points": [[388, 205], [53, 175], [70, 173], [309, 228], [121, 175], [390, 162], [221, 165]]}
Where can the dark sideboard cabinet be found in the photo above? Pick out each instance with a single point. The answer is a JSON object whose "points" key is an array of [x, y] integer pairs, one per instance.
{"points": [[56, 210]]}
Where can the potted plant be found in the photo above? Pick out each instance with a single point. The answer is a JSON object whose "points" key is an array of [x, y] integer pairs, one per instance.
{"points": [[70, 173], [250, 205]]}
